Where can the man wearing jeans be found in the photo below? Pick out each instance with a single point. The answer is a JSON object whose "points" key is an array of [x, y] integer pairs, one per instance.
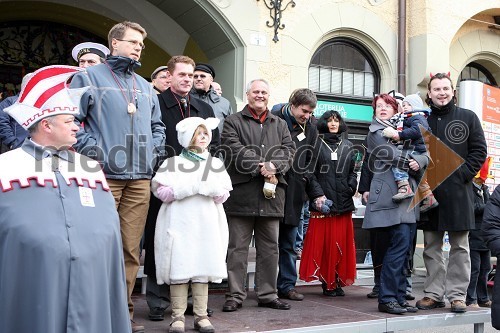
{"points": [[297, 115]]}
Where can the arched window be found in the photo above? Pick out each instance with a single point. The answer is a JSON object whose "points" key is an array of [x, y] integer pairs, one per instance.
{"points": [[343, 67], [477, 72]]}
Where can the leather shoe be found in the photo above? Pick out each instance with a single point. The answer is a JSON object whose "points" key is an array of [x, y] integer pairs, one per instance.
{"points": [[156, 314], [428, 303], [339, 291], [292, 295], [392, 308], [409, 308], [230, 306], [136, 328], [276, 304], [458, 306], [373, 294], [486, 304], [409, 297]]}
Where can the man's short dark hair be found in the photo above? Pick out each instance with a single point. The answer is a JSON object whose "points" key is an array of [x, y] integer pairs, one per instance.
{"points": [[439, 76], [179, 59], [118, 31], [303, 96]]}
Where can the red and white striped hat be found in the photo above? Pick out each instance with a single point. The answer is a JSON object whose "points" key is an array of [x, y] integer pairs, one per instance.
{"points": [[46, 94]]}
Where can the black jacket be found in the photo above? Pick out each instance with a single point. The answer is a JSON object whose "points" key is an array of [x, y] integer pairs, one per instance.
{"points": [[335, 179], [171, 115], [299, 176], [411, 131], [491, 234], [460, 130], [481, 197]]}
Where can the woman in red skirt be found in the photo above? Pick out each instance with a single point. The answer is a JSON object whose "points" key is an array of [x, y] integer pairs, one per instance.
{"points": [[329, 254]]}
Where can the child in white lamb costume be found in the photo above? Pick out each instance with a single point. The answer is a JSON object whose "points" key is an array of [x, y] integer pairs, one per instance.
{"points": [[191, 235]]}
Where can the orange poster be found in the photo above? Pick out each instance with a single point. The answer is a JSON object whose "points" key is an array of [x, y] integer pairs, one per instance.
{"points": [[491, 104]]}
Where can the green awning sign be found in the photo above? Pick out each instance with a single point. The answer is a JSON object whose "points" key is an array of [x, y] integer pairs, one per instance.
{"points": [[347, 111]]}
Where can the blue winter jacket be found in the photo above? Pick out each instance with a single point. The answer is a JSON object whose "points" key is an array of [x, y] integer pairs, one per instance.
{"points": [[12, 134], [124, 143]]}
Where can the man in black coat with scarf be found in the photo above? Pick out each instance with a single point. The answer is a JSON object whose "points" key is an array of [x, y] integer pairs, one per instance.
{"points": [[175, 104], [460, 130], [297, 114]]}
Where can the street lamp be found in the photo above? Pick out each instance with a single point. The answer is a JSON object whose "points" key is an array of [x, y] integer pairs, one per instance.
{"points": [[275, 11]]}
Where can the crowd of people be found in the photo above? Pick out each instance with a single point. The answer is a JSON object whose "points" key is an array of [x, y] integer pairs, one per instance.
{"points": [[90, 144]]}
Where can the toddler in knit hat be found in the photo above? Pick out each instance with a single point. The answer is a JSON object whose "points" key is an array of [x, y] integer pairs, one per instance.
{"points": [[407, 129]]}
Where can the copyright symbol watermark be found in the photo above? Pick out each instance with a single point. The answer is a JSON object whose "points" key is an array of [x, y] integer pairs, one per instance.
{"points": [[457, 131]]}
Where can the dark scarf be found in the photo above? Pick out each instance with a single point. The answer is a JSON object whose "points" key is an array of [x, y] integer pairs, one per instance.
{"points": [[332, 139], [445, 109], [202, 92], [287, 115]]}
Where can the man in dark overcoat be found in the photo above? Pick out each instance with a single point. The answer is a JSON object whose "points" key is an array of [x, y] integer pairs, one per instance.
{"points": [[460, 130]]}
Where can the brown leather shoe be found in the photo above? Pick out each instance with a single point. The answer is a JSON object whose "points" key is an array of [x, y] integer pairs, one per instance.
{"points": [[136, 328], [230, 306], [485, 304], [292, 295], [276, 304], [427, 303], [458, 306]]}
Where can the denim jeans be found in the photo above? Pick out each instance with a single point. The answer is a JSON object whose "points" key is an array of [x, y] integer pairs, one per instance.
{"points": [[302, 228], [392, 277], [399, 174], [287, 275]]}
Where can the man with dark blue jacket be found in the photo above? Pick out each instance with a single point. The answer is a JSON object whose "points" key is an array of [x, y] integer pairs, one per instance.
{"points": [[12, 134], [297, 114]]}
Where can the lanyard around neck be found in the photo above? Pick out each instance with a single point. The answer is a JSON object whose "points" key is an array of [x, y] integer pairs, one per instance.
{"points": [[327, 146], [180, 106], [134, 94]]}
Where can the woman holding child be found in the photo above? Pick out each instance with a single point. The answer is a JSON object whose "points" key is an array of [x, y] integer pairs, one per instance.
{"points": [[398, 219]]}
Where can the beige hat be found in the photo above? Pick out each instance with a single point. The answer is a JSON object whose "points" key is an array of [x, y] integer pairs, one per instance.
{"points": [[156, 71]]}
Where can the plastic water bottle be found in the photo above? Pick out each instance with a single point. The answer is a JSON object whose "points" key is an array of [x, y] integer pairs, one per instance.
{"points": [[446, 242], [368, 258]]}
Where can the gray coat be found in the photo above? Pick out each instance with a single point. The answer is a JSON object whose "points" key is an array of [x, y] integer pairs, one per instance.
{"points": [[221, 106], [61, 256], [380, 210]]}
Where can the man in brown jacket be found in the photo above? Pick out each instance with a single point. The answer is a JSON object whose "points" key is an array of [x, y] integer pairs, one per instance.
{"points": [[257, 146]]}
